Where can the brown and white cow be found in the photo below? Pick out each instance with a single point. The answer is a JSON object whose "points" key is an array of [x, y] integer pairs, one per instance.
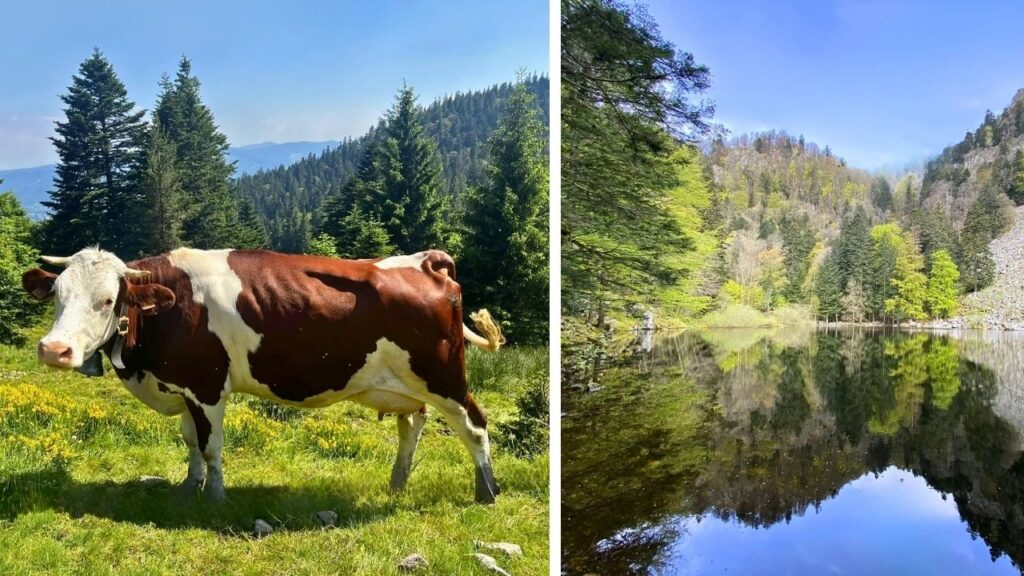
{"points": [[187, 329]]}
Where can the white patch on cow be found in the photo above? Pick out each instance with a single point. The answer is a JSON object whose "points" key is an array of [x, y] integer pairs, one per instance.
{"points": [[385, 382], [217, 287], [410, 261], [147, 390]]}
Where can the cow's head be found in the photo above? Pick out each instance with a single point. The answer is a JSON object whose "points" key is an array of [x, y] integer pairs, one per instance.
{"points": [[90, 292]]}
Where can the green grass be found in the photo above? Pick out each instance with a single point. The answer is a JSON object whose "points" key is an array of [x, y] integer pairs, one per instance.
{"points": [[73, 449]]}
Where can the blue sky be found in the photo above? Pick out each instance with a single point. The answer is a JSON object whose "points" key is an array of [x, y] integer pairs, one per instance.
{"points": [[271, 71], [884, 83]]}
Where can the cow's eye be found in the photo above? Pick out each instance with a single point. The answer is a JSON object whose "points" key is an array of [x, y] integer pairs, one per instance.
{"points": [[109, 302]]}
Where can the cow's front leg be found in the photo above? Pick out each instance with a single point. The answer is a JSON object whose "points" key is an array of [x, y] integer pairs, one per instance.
{"points": [[196, 464], [469, 423], [410, 427], [209, 426]]}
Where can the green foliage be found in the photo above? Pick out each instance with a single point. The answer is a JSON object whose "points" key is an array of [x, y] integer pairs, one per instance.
{"points": [[827, 290], [887, 240], [505, 261], [943, 286], [323, 245], [736, 316], [163, 195], [909, 281], [854, 247], [211, 215], [363, 236], [527, 435], [881, 193], [625, 105], [1016, 191], [101, 146], [250, 232], [17, 255]]}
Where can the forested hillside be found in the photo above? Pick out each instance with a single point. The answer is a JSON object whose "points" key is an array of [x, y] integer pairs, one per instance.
{"points": [[287, 198], [754, 229]]}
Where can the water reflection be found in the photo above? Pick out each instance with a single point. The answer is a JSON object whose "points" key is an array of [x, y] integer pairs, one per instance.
{"points": [[799, 452]]}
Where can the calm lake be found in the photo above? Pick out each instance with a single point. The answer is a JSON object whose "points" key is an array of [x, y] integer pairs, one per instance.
{"points": [[799, 452]]}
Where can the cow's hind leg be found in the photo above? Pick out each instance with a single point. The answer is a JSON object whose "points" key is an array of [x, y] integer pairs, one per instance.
{"points": [[196, 464], [209, 426], [469, 423], [410, 427]]}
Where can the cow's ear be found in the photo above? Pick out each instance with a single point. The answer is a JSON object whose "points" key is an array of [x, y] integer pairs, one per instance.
{"points": [[149, 298], [38, 283]]}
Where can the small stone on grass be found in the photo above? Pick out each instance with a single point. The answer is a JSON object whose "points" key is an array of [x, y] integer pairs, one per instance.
{"points": [[503, 547], [490, 564], [327, 518], [261, 529], [413, 562]]}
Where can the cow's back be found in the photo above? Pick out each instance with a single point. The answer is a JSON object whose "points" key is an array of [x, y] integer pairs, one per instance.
{"points": [[319, 319]]}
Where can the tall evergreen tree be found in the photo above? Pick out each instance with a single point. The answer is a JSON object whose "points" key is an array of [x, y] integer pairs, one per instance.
{"points": [[101, 145], [854, 249], [211, 218], [506, 221], [826, 289], [403, 181], [251, 233], [161, 189]]}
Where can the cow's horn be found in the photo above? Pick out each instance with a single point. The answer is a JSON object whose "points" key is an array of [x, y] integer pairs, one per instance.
{"points": [[133, 273], [56, 260]]}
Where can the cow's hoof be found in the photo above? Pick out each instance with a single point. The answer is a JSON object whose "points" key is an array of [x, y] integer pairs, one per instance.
{"points": [[214, 493], [188, 488], [486, 488], [399, 477]]}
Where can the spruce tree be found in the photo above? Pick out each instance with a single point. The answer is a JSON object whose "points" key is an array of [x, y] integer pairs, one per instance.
{"points": [[403, 181], [161, 189], [363, 236], [101, 145], [506, 221], [826, 289], [250, 232], [211, 218]]}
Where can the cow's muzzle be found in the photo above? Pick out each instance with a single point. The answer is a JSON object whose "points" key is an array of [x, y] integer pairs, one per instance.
{"points": [[56, 354]]}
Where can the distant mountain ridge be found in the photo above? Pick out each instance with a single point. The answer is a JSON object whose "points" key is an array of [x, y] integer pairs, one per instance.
{"points": [[31, 185]]}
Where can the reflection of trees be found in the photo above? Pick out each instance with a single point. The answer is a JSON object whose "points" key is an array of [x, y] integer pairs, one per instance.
{"points": [[787, 428], [629, 470]]}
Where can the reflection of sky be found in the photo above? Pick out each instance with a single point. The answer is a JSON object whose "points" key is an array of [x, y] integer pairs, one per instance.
{"points": [[893, 524]]}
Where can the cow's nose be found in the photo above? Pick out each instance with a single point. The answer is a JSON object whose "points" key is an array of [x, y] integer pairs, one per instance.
{"points": [[55, 354]]}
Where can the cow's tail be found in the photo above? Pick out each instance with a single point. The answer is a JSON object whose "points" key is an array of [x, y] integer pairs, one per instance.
{"points": [[490, 337]]}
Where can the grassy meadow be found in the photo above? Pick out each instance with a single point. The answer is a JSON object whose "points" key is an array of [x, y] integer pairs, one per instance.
{"points": [[73, 451]]}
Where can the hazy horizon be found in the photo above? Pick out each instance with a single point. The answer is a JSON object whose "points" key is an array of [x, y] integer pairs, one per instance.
{"points": [[329, 72]]}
